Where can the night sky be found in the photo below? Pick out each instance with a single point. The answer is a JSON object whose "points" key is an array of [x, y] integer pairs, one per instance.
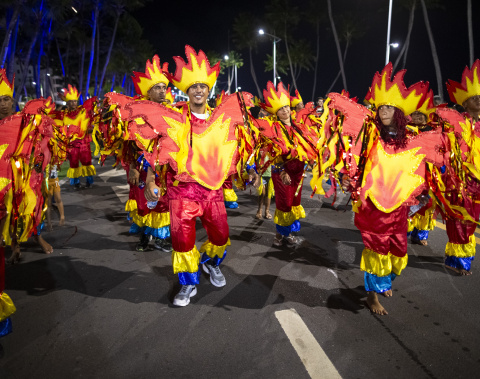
{"points": [[206, 25]]}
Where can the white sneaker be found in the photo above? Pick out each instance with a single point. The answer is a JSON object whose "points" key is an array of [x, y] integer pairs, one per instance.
{"points": [[216, 276], [182, 298]]}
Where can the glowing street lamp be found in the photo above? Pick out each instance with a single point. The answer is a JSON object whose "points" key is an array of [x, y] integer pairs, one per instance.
{"points": [[275, 40]]}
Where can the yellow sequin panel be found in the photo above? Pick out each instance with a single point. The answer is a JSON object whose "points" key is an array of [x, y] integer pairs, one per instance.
{"points": [[382, 265], [460, 250], [213, 250], [426, 222], [89, 170], [153, 220], [229, 195], [131, 205], [74, 173], [7, 307], [288, 218], [185, 262]]}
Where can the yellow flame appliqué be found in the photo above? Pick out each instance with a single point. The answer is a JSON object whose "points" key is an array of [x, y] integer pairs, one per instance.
{"points": [[393, 177]]}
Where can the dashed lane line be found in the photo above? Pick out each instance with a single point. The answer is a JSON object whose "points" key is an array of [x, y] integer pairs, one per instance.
{"points": [[308, 349]]}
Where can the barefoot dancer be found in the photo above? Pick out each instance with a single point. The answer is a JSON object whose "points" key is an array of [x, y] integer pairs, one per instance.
{"points": [[384, 170]]}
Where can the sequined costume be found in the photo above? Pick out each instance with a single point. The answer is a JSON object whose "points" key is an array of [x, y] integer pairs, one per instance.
{"points": [[24, 155], [287, 148], [75, 125], [386, 178], [200, 155]]}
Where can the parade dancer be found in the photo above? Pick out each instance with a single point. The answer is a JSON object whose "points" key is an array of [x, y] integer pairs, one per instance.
{"points": [[76, 121], [24, 155], [202, 148], [460, 249], [151, 223], [424, 219], [384, 170], [289, 145]]}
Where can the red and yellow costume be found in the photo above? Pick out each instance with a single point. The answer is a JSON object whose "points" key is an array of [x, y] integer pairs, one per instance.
{"points": [[154, 222], [200, 155], [288, 148], [24, 154], [76, 125], [460, 249], [385, 179]]}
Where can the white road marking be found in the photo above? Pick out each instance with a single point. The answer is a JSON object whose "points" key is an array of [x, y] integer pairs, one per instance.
{"points": [[308, 349], [333, 272], [112, 173], [122, 192]]}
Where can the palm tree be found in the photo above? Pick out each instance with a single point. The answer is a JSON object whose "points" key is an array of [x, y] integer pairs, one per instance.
{"points": [[470, 31], [283, 16], [94, 24], [411, 6], [351, 28], [9, 27], [234, 61], [436, 61], [245, 36], [315, 16], [337, 43]]}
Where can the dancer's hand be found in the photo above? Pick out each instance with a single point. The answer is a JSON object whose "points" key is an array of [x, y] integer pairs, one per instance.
{"points": [[134, 177], [346, 182], [285, 178], [149, 192]]}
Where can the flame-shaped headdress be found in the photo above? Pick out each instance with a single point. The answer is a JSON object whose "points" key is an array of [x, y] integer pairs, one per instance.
{"points": [[71, 93], [220, 98], [426, 105], [169, 95], [295, 100], [154, 74], [6, 88], [274, 100], [385, 91], [198, 70], [470, 85]]}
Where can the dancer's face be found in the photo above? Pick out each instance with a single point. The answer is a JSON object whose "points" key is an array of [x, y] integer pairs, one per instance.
{"points": [[284, 113], [418, 118], [386, 113], [198, 94], [472, 104], [157, 93], [6, 106]]}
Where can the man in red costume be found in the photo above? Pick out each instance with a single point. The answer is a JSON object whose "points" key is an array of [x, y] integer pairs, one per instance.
{"points": [[76, 122], [460, 249], [201, 148]]}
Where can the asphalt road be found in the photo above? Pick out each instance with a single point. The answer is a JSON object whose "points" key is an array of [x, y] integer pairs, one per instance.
{"points": [[96, 308]]}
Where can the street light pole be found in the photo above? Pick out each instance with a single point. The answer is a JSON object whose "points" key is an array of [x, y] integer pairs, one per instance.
{"points": [[275, 40], [387, 57]]}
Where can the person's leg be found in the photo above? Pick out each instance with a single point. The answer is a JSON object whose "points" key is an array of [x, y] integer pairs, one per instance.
{"points": [[214, 220], [267, 200], [59, 203], [49, 210], [88, 170], [260, 200], [460, 249], [185, 256], [46, 247], [75, 171]]}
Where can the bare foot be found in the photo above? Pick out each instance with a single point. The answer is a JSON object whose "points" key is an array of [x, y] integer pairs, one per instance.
{"points": [[62, 221], [268, 216], [374, 304], [46, 247], [423, 242], [459, 271], [16, 256], [388, 293], [259, 215]]}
